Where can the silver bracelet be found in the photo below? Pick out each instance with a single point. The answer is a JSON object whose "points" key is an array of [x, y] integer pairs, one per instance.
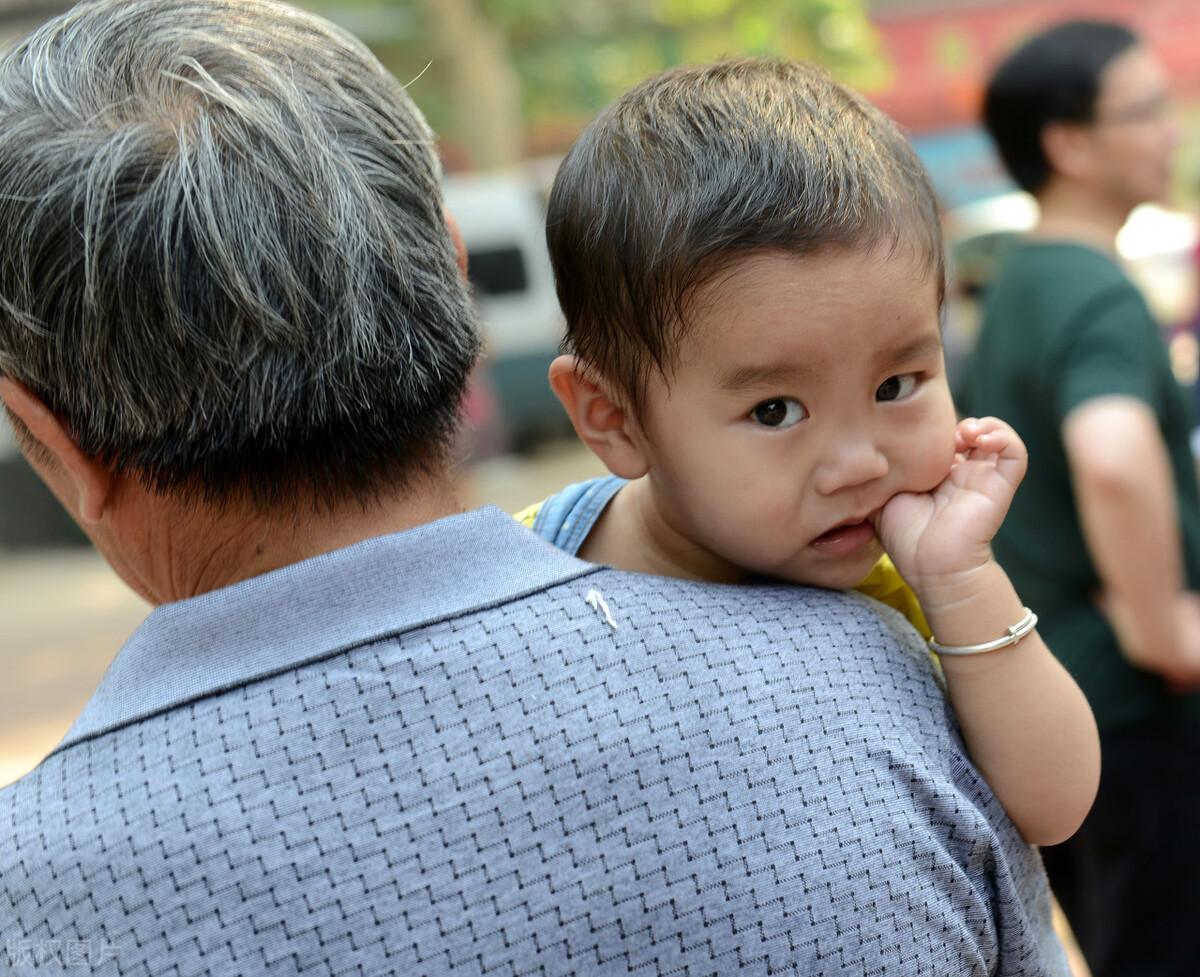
{"points": [[1015, 633]]}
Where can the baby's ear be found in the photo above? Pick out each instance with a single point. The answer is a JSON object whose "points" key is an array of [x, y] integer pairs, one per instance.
{"points": [[598, 416]]}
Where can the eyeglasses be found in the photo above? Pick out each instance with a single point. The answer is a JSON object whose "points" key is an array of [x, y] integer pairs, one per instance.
{"points": [[1151, 109]]}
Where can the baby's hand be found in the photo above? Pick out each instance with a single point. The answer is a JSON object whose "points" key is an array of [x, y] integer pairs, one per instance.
{"points": [[939, 538]]}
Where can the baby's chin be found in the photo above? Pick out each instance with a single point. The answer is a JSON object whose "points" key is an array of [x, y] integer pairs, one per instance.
{"points": [[840, 575]]}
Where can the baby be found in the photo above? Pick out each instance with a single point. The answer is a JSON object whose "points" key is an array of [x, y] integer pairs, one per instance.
{"points": [[750, 263]]}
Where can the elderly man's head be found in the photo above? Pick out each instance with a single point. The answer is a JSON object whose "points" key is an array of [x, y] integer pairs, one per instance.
{"points": [[227, 275]]}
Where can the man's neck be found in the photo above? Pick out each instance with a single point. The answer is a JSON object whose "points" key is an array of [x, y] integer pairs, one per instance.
{"points": [[186, 550], [1072, 213]]}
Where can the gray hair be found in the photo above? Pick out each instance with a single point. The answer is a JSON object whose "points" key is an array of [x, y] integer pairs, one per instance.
{"points": [[226, 266], [703, 164]]}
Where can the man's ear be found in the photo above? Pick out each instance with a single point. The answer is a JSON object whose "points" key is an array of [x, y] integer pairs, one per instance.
{"points": [[1069, 149], [83, 484], [600, 420]]}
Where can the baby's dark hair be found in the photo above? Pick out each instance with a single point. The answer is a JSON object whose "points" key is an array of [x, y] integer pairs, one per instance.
{"points": [[700, 166]]}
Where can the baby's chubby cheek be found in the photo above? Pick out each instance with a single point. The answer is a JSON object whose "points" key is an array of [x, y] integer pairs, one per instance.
{"points": [[928, 465]]}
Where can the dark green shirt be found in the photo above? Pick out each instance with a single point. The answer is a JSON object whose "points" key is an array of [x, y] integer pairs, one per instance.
{"points": [[1062, 324]]}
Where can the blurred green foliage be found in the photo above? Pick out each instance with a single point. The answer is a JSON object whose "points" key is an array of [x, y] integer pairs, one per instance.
{"points": [[568, 58], [574, 58]]}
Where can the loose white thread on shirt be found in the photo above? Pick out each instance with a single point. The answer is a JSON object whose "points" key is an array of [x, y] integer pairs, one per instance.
{"points": [[597, 603]]}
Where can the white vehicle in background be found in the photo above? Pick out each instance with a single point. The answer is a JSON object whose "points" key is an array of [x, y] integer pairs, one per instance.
{"points": [[502, 217]]}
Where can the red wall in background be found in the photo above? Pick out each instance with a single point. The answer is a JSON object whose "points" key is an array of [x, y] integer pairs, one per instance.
{"points": [[940, 57]]}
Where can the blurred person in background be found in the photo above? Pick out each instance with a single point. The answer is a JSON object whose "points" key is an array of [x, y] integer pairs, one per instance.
{"points": [[1103, 536]]}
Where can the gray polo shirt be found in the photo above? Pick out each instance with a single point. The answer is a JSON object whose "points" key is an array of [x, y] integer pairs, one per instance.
{"points": [[458, 750]]}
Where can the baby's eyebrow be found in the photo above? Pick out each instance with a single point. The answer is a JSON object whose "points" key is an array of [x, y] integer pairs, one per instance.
{"points": [[763, 375], [770, 374], [925, 346]]}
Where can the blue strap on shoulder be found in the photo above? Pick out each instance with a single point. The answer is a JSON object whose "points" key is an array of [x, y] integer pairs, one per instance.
{"points": [[567, 517]]}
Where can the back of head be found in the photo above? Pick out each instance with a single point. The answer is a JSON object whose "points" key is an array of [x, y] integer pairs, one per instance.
{"points": [[1053, 77], [702, 165], [226, 264]]}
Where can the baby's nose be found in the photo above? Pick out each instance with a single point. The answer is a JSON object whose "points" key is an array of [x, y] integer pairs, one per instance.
{"points": [[851, 465]]}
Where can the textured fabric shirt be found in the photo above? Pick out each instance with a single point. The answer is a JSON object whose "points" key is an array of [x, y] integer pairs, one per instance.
{"points": [[458, 750], [1063, 325]]}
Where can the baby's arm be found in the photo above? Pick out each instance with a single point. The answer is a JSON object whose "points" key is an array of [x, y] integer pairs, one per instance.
{"points": [[1026, 723]]}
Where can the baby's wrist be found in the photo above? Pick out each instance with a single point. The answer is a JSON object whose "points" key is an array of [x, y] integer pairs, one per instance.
{"points": [[970, 607], [944, 589]]}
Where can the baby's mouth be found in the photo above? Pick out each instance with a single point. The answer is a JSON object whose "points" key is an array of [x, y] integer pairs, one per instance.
{"points": [[845, 538]]}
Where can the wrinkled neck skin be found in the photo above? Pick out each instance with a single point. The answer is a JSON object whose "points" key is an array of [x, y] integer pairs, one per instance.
{"points": [[169, 549], [1072, 213]]}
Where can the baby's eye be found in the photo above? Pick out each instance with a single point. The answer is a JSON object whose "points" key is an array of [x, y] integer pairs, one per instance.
{"points": [[779, 412], [897, 387]]}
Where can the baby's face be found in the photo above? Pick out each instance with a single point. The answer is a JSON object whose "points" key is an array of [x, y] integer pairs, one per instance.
{"points": [[809, 391]]}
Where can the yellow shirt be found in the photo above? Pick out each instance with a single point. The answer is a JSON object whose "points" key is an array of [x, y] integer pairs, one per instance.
{"points": [[883, 583]]}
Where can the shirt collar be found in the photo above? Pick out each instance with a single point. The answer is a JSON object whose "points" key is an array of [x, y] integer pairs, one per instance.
{"points": [[320, 607]]}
